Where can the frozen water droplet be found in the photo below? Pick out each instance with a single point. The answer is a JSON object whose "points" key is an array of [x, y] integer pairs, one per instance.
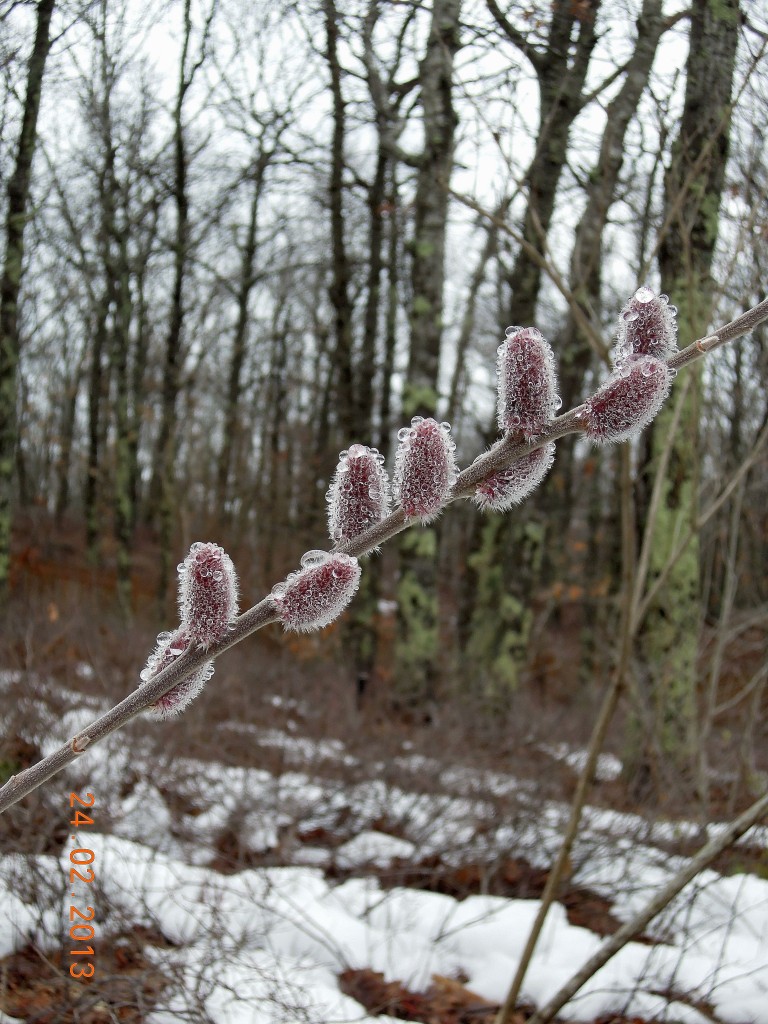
{"points": [[558, 402], [278, 590], [357, 451], [313, 557], [218, 576], [630, 316], [644, 294], [417, 420], [145, 674], [673, 310], [664, 298], [402, 433], [446, 426], [175, 651]]}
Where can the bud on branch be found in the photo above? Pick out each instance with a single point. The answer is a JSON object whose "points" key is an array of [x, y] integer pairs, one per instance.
{"points": [[359, 493], [628, 400], [170, 646], [647, 327], [526, 382], [207, 593], [318, 593], [425, 467]]}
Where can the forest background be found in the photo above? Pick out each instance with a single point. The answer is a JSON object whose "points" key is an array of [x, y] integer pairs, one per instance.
{"points": [[242, 235]]}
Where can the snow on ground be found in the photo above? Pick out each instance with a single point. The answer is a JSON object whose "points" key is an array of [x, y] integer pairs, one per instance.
{"points": [[266, 945]]}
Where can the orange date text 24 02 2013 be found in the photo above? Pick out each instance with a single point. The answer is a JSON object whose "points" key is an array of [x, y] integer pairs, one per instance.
{"points": [[81, 859]]}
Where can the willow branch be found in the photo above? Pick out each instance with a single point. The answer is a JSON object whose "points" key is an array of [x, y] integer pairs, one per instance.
{"points": [[503, 453]]}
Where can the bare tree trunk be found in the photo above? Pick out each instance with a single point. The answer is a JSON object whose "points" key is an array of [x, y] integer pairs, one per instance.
{"points": [[341, 273], [418, 609], [66, 436], [98, 384], [366, 369], [232, 436], [427, 247], [390, 317], [561, 81], [162, 489], [10, 284], [578, 348]]}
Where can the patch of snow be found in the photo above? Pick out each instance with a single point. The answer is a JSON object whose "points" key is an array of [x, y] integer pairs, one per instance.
{"points": [[608, 768], [375, 848]]}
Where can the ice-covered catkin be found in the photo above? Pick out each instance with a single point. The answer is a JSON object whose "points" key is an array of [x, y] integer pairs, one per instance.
{"points": [[511, 486], [647, 327], [527, 382], [425, 467], [316, 594], [171, 646], [207, 593], [358, 497], [628, 400]]}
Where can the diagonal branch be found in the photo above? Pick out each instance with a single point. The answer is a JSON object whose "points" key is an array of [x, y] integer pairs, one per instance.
{"points": [[706, 855], [503, 453]]}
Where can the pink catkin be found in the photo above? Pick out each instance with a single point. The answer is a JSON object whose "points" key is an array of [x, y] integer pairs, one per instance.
{"points": [[527, 382], [358, 497], [207, 593], [170, 646], [628, 400], [647, 327], [425, 467], [316, 594], [511, 486]]}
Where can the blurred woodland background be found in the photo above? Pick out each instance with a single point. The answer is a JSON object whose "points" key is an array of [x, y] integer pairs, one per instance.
{"points": [[242, 234]]}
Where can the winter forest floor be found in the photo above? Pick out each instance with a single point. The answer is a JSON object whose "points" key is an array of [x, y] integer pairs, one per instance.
{"points": [[281, 854]]}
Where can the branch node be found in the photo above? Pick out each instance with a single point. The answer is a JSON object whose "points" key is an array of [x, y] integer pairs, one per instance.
{"points": [[80, 750]]}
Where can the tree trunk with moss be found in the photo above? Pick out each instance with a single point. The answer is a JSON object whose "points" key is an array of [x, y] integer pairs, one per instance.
{"points": [[499, 624], [496, 651], [662, 743], [417, 648]]}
